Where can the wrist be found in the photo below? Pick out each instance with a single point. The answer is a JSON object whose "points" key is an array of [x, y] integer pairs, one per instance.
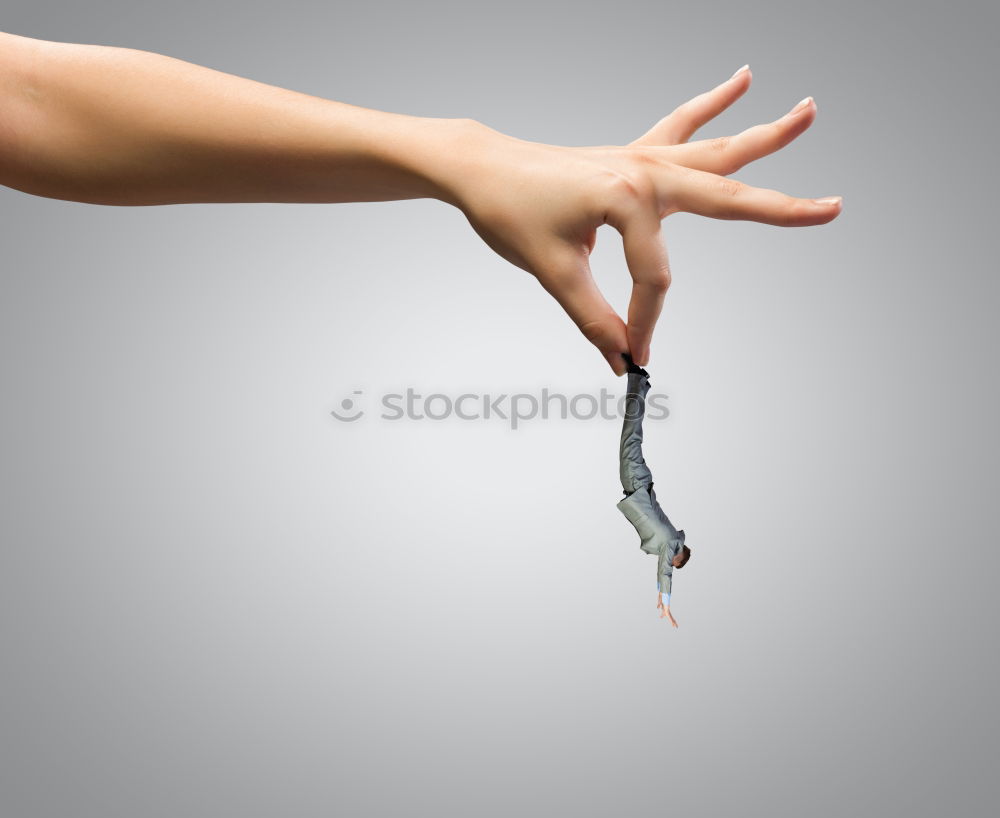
{"points": [[465, 158], [426, 157]]}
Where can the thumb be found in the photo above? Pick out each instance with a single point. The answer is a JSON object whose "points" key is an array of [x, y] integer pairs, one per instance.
{"points": [[569, 280], [610, 337]]}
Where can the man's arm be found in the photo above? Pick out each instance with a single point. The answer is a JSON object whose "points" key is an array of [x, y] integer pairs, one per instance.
{"points": [[663, 603], [664, 575], [664, 572]]}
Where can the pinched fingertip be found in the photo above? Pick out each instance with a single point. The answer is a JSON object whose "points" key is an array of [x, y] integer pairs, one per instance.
{"points": [[617, 362]]}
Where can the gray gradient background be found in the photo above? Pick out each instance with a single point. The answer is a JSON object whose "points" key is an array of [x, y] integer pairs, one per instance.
{"points": [[215, 600]]}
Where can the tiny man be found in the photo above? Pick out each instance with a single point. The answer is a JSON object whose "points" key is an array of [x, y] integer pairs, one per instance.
{"points": [[658, 535]]}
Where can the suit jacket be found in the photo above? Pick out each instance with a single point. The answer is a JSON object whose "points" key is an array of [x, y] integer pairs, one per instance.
{"points": [[656, 533]]}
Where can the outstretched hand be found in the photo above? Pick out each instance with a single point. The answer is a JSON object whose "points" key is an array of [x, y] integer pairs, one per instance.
{"points": [[539, 206], [121, 126], [664, 609]]}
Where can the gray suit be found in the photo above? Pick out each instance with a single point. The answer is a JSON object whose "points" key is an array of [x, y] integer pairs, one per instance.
{"points": [[658, 535]]}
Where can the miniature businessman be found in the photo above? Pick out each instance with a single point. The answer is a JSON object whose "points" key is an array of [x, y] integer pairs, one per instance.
{"points": [[639, 505]]}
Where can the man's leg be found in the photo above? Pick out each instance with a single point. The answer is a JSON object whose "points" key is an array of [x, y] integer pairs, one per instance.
{"points": [[634, 472]]}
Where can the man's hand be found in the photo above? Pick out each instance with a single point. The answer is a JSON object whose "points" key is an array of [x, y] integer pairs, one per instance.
{"points": [[539, 206], [664, 609]]}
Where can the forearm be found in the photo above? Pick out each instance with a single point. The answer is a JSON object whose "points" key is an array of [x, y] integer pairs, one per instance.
{"points": [[120, 126]]}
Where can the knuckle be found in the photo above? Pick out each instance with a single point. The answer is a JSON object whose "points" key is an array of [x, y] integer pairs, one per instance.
{"points": [[624, 185], [599, 331], [730, 187], [592, 331], [658, 281], [643, 156], [633, 186], [720, 143], [628, 187]]}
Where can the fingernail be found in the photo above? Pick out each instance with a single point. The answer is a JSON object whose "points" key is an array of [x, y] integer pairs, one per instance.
{"points": [[740, 70], [829, 200], [801, 106]]}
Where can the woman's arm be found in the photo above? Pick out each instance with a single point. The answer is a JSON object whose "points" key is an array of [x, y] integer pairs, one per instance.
{"points": [[118, 126]]}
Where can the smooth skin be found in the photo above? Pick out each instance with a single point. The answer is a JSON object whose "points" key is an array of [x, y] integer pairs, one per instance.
{"points": [[119, 126]]}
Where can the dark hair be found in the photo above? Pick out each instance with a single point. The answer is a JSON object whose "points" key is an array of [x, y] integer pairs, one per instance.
{"points": [[685, 555]]}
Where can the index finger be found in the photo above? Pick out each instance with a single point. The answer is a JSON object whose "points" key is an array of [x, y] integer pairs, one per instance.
{"points": [[646, 256]]}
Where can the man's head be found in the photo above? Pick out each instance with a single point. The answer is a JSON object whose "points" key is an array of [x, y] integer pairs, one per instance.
{"points": [[681, 557]]}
